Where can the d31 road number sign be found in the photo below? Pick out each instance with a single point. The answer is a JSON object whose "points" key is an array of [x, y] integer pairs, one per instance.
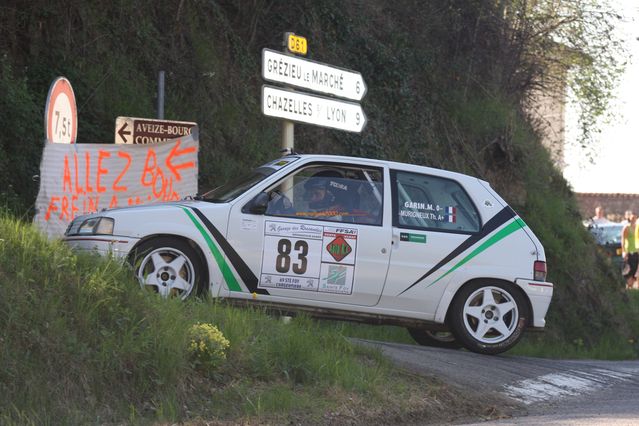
{"points": [[131, 130]]}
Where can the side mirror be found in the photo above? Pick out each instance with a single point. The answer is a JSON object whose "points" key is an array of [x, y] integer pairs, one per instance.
{"points": [[257, 205]]}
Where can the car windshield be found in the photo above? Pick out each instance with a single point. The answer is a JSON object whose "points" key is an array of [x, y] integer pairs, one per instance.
{"points": [[607, 234], [231, 190]]}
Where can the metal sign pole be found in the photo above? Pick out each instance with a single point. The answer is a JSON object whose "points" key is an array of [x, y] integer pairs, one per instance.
{"points": [[161, 95], [288, 136], [288, 127]]}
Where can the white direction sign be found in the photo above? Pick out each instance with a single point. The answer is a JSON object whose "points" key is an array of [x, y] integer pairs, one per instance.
{"points": [[131, 130], [312, 75], [321, 111]]}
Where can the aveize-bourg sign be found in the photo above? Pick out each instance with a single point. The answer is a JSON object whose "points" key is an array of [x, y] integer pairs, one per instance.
{"points": [[132, 130]]}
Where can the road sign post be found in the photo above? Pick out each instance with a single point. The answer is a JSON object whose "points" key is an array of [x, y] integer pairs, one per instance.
{"points": [[161, 95], [291, 106], [293, 44]]}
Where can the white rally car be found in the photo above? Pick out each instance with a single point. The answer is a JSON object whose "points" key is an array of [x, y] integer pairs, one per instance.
{"points": [[347, 238]]}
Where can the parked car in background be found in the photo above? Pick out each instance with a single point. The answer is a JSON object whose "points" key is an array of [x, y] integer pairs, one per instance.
{"points": [[608, 238]]}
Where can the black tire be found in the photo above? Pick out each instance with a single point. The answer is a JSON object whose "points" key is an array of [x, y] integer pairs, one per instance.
{"points": [[438, 339], [488, 317], [179, 272]]}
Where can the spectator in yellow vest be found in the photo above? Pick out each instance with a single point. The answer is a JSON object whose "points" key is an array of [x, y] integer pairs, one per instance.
{"points": [[629, 239]]}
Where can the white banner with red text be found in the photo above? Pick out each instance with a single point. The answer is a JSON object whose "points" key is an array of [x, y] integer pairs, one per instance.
{"points": [[77, 179]]}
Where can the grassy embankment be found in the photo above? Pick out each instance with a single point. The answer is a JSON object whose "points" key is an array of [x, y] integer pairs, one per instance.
{"points": [[81, 343]]}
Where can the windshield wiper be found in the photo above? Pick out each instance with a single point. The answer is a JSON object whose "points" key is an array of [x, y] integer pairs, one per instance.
{"points": [[196, 197]]}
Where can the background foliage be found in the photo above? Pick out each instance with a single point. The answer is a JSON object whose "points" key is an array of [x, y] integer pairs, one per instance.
{"points": [[448, 84]]}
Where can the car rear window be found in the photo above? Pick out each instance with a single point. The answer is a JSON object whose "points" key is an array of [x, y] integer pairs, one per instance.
{"points": [[428, 202]]}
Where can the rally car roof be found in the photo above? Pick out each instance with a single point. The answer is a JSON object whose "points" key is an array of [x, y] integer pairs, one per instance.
{"points": [[391, 164]]}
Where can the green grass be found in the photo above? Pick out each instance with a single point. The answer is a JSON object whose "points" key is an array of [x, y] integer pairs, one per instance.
{"points": [[82, 343]]}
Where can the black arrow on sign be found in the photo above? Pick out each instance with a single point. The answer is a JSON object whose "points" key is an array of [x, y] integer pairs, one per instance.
{"points": [[122, 133]]}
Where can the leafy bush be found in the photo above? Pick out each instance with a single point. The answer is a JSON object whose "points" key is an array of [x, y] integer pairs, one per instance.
{"points": [[207, 345]]}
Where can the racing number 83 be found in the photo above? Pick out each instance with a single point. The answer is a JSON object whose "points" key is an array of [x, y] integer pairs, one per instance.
{"points": [[283, 260]]}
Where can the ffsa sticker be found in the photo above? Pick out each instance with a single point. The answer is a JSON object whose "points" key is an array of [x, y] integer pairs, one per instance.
{"points": [[308, 257]]}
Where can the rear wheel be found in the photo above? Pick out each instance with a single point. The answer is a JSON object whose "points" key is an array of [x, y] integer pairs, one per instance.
{"points": [[439, 339], [169, 267], [488, 317]]}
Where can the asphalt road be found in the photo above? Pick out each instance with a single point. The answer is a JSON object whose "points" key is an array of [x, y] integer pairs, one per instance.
{"points": [[533, 390]]}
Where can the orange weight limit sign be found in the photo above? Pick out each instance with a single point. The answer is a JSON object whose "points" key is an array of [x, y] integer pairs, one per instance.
{"points": [[61, 113]]}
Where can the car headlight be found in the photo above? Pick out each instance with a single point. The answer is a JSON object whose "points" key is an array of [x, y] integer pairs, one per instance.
{"points": [[105, 226], [97, 226]]}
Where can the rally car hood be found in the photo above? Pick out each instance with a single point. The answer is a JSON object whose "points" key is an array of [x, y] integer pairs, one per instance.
{"points": [[157, 206], [135, 221]]}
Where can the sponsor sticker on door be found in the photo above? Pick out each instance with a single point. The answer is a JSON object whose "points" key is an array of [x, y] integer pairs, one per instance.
{"points": [[339, 248]]}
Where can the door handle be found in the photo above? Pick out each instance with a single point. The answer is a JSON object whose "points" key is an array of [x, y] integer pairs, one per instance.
{"points": [[395, 240]]}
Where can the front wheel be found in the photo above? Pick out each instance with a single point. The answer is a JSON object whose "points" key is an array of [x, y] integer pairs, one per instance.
{"points": [[488, 317], [438, 339], [169, 267]]}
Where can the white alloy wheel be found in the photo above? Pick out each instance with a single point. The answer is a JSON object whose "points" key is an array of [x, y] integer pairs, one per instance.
{"points": [[168, 271], [490, 314]]}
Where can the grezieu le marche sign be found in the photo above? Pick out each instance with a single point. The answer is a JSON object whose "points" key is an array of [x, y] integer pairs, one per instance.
{"points": [[311, 75]]}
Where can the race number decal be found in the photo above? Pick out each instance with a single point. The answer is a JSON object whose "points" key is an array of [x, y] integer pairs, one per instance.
{"points": [[308, 257], [292, 256]]}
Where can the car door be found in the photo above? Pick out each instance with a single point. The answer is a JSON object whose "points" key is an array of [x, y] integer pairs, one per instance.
{"points": [[432, 217], [302, 248]]}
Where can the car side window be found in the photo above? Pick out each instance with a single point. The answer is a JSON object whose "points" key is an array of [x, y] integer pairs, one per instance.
{"points": [[336, 193], [429, 202]]}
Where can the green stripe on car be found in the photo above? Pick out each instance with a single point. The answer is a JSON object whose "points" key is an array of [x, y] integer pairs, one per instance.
{"points": [[231, 281], [498, 236]]}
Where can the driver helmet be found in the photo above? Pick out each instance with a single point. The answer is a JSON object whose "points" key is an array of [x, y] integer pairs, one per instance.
{"points": [[325, 189]]}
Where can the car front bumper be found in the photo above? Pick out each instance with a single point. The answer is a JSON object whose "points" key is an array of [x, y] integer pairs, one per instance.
{"points": [[114, 245]]}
